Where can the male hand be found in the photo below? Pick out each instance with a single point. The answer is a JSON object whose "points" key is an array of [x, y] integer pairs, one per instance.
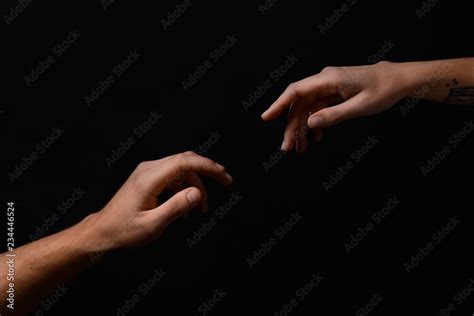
{"points": [[134, 216]]}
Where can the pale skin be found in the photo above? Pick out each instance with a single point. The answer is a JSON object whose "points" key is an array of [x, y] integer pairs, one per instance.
{"points": [[337, 94], [132, 218]]}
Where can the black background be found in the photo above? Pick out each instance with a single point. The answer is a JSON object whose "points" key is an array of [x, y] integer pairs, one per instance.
{"points": [[214, 103]]}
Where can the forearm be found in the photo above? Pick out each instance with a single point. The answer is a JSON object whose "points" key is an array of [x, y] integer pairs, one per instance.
{"points": [[132, 218], [450, 81], [43, 264]]}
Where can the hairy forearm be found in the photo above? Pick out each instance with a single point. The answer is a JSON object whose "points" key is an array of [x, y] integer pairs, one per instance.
{"points": [[43, 264], [450, 81]]}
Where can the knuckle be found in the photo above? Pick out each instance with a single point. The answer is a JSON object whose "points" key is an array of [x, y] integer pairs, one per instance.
{"points": [[331, 71], [189, 153], [328, 69], [142, 165], [293, 89], [383, 63], [291, 86], [139, 181], [181, 165], [182, 158]]}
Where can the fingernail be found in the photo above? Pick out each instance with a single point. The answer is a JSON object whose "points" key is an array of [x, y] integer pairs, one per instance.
{"points": [[229, 177], [283, 146], [219, 165], [315, 121], [192, 196], [264, 114]]}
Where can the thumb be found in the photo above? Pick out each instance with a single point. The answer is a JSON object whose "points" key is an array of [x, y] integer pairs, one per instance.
{"points": [[333, 115], [178, 205]]}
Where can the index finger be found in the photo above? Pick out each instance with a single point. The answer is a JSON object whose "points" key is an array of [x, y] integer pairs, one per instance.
{"points": [[160, 175], [294, 91]]}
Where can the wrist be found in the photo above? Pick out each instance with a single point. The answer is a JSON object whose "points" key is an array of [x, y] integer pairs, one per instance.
{"points": [[93, 241], [411, 79], [422, 78], [403, 76]]}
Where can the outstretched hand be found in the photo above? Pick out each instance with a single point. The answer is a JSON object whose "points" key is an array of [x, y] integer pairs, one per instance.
{"points": [[332, 96]]}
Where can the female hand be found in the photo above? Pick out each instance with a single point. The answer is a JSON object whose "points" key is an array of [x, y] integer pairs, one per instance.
{"points": [[334, 95]]}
